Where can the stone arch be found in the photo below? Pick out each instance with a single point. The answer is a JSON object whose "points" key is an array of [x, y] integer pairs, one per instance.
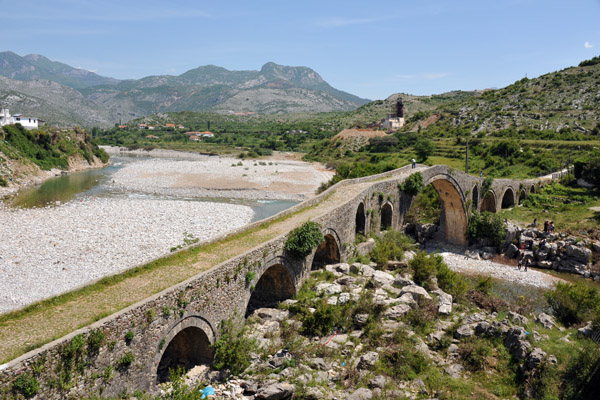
{"points": [[188, 345], [475, 197], [508, 198], [361, 219], [387, 213], [453, 218], [328, 251], [275, 284], [489, 202], [522, 195], [532, 190]]}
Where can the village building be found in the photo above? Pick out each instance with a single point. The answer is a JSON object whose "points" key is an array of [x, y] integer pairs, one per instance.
{"points": [[152, 137], [26, 122], [205, 134], [394, 121]]}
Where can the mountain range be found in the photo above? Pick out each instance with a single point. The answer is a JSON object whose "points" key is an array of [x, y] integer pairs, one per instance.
{"points": [[64, 95]]}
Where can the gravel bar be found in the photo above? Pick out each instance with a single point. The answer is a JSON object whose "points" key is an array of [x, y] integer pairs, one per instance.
{"points": [[52, 250]]}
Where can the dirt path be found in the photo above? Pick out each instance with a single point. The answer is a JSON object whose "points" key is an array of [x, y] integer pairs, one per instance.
{"points": [[20, 332]]}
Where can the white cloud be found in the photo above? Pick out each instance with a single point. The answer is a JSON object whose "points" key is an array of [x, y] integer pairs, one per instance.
{"points": [[588, 45]]}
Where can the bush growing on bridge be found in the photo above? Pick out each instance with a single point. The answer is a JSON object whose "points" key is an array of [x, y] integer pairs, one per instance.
{"points": [[304, 239], [26, 385], [413, 184], [232, 350], [487, 226]]}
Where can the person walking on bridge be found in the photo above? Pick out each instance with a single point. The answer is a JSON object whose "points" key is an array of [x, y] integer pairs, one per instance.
{"points": [[414, 163]]}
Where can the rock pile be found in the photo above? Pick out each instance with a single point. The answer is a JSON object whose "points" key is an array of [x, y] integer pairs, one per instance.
{"points": [[331, 366], [557, 251]]}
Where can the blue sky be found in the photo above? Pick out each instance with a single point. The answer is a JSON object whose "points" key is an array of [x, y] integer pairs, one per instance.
{"points": [[368, 48]]}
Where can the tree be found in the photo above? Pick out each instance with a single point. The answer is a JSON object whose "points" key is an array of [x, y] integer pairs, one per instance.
{"points": [[424, 148], [591, 171]]}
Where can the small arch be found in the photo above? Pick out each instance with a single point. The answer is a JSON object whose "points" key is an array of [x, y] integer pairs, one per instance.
{"points": [[276, 284], [328, 252], [522, 195], [361, 220], [475, 198], [508, 199], [387, 213], [488, 203], [189, 345], [532, 190]]}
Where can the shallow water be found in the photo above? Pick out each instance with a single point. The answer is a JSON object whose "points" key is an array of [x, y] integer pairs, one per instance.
{"points": [[93, 182]]}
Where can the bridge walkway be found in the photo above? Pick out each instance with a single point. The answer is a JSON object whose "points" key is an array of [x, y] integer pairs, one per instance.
{"points": [[43, 322]]}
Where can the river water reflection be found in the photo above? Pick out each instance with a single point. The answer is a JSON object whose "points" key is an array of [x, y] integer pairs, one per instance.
{"points": [[94, 182]]}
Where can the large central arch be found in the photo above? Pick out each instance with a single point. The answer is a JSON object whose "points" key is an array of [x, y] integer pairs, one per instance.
{"points": [[276, 284], [453, 218]]}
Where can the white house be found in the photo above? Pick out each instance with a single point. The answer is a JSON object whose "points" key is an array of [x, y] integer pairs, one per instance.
{"points": [[27, 122]]}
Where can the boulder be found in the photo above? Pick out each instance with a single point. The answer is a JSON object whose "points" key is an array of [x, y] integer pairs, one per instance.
{"points": [[407, 298], [397, 312], [444, 302], [367, 271], [328, 288], [342, 268], [536, 357], [333, 270], [482, 327], [546, 320], [401, 281], [512, 251], [463, 332], [587, 330], [346, 280], [275, 391], [518, 318], [368, 360], [486, 255], [516, 344], [381, 278], [579, 253], [318, 363], [417, 292], [361, 319], [360, 394], [377, 382], [596, 247], [271, 314], [454, 370]]}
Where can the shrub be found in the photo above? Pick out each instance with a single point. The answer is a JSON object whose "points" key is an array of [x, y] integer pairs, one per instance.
{"points": [[126, 360], [232, 350], [485, 285], [95, 341], [486, 185], [574, 303], [413, 184], [425, 266], [580, 371], [304, 239], [390, 247], [26, 385], [325, 318], [475, 353], [487, 226], [250, 275], [129, 336]]}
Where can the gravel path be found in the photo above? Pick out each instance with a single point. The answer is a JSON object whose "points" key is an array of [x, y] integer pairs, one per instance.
{"points": [[48, 251]]}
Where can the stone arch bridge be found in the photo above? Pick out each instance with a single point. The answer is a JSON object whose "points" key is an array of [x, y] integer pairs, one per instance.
{"points": [[177, 326]]}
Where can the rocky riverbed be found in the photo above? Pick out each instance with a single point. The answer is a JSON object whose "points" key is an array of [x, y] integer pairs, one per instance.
{"points": [[189, 174], [48, 251]]}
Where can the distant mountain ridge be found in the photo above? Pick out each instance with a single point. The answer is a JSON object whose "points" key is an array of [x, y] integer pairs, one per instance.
{"points": [[273, 89]]}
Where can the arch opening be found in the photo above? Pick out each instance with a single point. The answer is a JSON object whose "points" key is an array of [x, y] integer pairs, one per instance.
{"points": [[488, 203], [439, 212], [532, 190], [508, 199], [327, 253], [275, 285], [475, 198], [189, 348], [386, 217], [361, 220]]}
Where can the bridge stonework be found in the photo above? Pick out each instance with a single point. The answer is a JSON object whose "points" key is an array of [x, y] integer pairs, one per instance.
{"points": [[177, 326]]}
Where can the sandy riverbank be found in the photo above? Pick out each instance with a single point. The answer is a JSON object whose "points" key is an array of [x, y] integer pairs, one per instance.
{"points": [[48, 251], [194, 175]]}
